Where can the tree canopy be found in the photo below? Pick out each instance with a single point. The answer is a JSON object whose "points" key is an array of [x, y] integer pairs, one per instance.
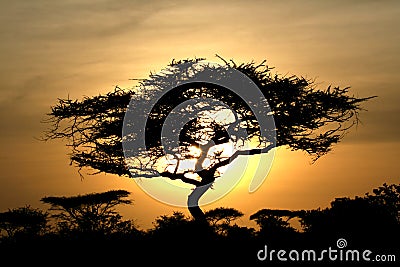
{"points": [[23, 221], [90, 213]]}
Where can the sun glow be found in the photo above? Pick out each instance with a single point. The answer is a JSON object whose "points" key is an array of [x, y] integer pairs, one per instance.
{"points": [[194, 151]]}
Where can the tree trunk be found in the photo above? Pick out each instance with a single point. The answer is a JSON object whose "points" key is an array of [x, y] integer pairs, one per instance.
{"points": [[193, 202], [208, 177]]}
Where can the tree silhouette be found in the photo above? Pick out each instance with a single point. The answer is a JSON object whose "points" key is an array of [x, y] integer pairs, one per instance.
{"points": [[305, 118], [388, 197], [179, 235], [274, 224], [23, 222], [90, 214], [174, 226], [368, 220], [372, 220], [221, 219]]}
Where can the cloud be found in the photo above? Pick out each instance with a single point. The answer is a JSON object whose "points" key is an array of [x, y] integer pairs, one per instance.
{"points": [[74, 20]]}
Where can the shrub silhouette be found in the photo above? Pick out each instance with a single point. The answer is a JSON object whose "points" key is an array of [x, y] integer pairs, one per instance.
{"points": [[23, 222], [369, 221], [92, 230]]}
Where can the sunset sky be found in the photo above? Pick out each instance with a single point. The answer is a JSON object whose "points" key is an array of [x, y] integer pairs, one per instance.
{"points": [[55, 49]]}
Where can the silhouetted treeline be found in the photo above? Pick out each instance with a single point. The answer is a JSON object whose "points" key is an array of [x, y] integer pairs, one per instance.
{"points": [[89, 227]]}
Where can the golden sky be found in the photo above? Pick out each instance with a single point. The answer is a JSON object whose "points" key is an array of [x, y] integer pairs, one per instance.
{"points": [[52, 49]]}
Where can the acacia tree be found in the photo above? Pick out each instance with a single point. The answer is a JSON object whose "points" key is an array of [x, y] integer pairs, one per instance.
{"points": [[275, 224], [90, 213], [221, 219], [305, 118]]}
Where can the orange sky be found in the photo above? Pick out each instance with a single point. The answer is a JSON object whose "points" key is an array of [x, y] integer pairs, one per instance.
{"points": [[52, 49]]}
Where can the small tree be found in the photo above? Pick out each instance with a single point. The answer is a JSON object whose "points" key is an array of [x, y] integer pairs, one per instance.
{"points": [[274, 224], [221, 219], [388, 198], [90, 213], [174, 222], [177, 229], [24, 221]]}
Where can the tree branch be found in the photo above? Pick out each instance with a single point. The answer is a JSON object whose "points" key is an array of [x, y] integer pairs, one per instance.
{"points": [[182, 177], [238, 153]]}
